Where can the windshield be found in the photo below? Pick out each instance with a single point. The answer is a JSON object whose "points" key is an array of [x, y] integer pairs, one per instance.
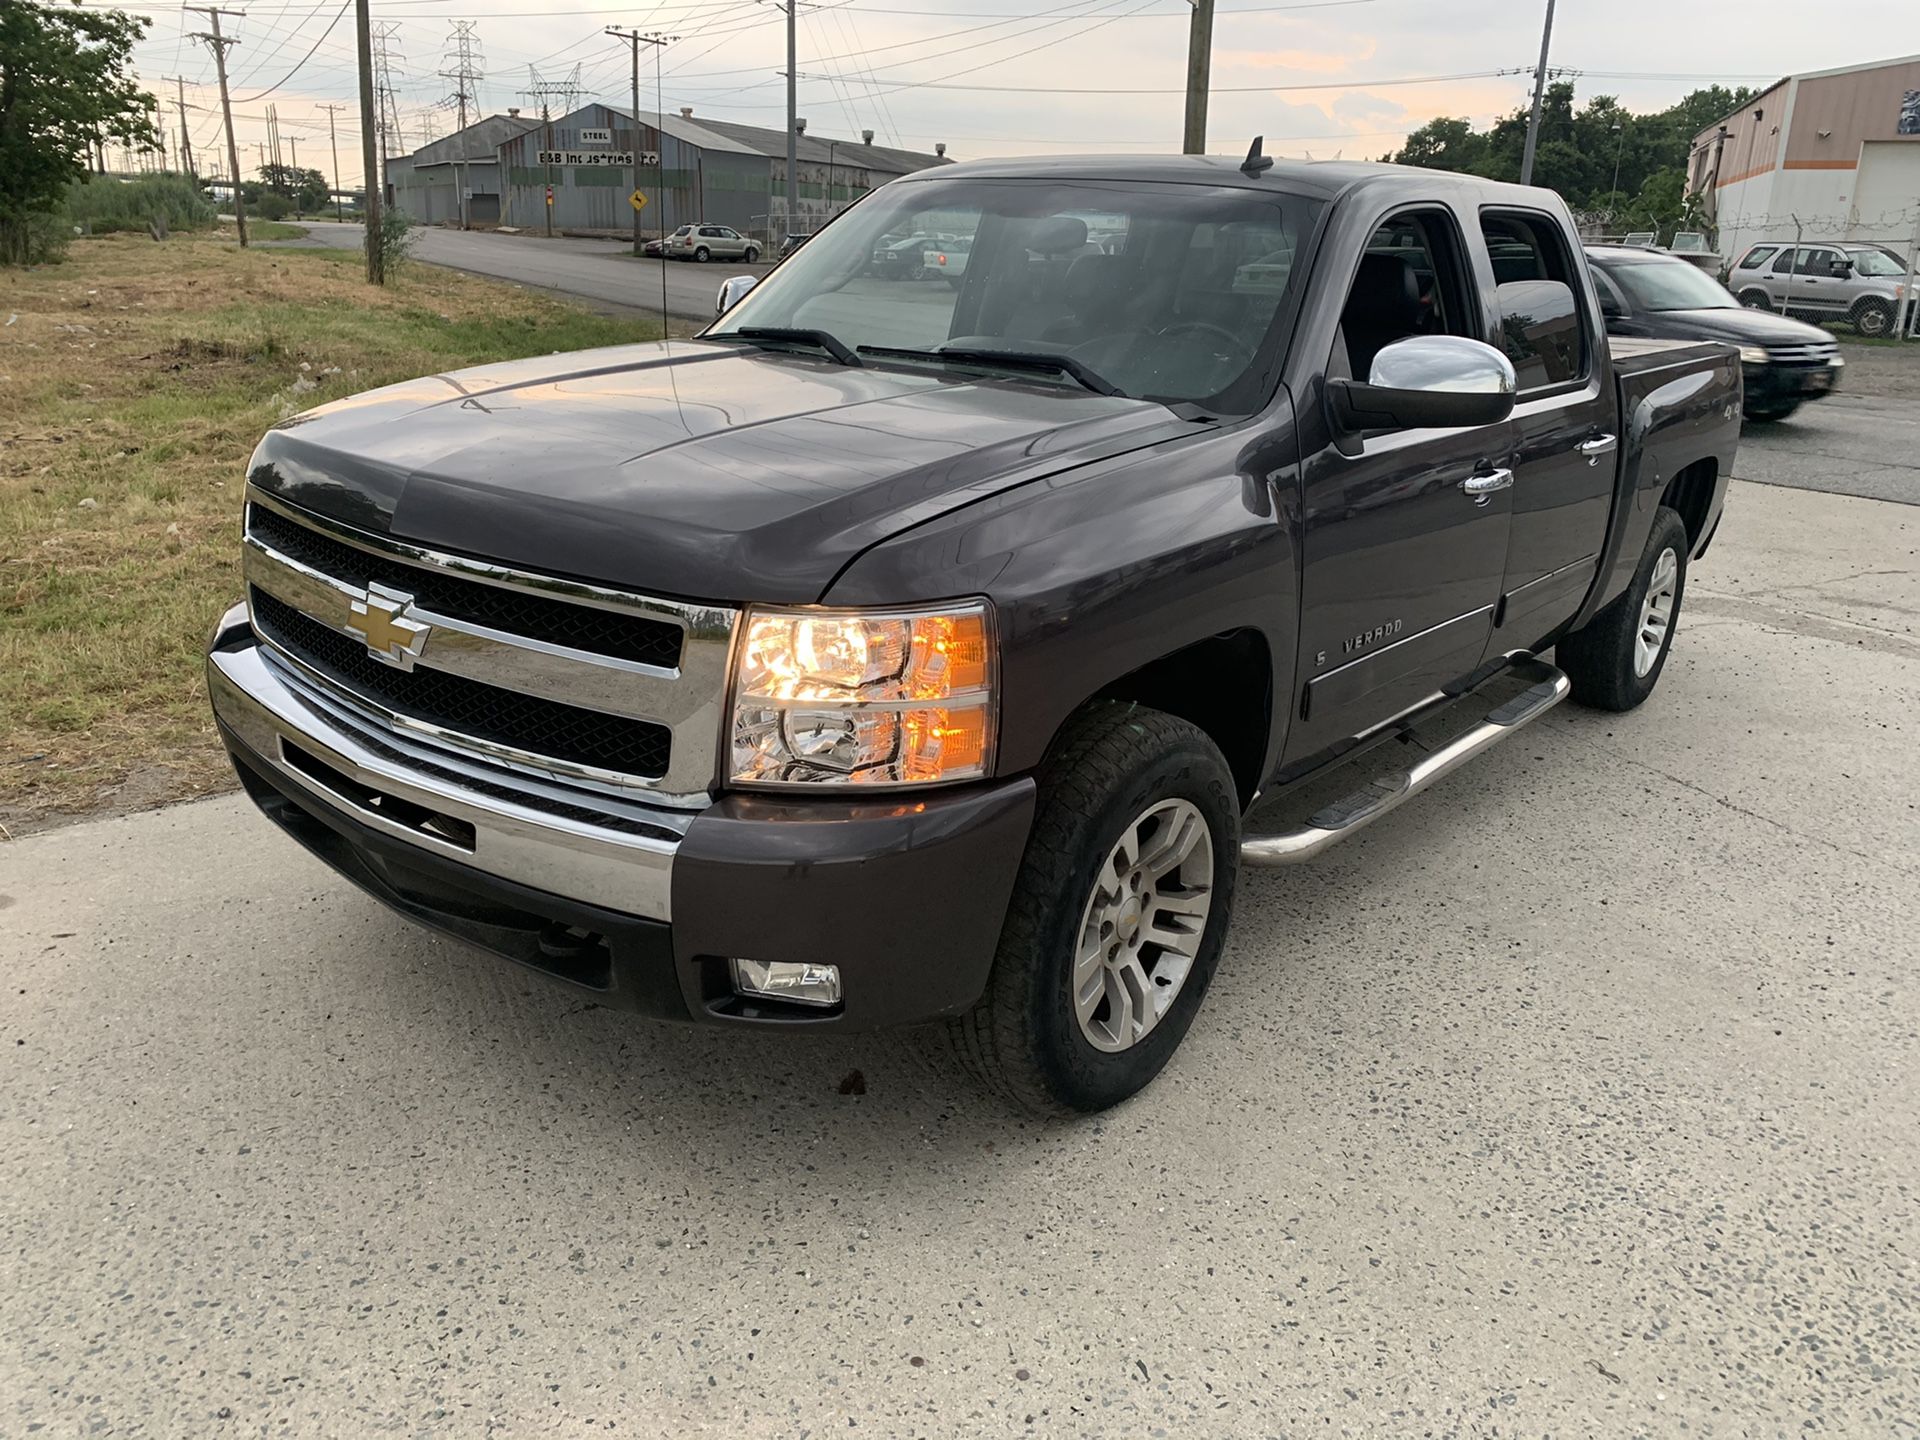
{"points": [[1875, 262], [1168, 292], [1669, 285]]}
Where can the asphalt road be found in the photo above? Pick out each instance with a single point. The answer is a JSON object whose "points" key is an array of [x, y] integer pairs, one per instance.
{"points": [[1576, 1098], [1847, 444], [603, 273]]}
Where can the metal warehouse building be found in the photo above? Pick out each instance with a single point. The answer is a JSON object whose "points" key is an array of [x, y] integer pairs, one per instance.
{"points": [[1833, 154], [428, 183], [691, 170]]}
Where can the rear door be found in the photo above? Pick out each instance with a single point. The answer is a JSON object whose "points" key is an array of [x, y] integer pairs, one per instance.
{"points": [[1817, 289], [1564, 419], [1402, 566]]}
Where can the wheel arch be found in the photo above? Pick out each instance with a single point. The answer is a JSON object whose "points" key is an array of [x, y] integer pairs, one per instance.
{"points": [[1224, 685], [1690, 494]]}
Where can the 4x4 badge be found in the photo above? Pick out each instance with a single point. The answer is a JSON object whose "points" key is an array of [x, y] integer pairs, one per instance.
{"points": [[381, 621]]}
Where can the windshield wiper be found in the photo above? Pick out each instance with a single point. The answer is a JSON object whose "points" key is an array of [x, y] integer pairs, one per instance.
{"points": [[781, 334], [1011, 359]]}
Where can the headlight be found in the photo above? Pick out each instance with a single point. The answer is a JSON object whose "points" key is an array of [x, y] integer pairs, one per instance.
{"points": [[1754, 354], [846, 697]]}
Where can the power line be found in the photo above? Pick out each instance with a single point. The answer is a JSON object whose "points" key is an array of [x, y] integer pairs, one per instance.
{"points": [[338, 15]]}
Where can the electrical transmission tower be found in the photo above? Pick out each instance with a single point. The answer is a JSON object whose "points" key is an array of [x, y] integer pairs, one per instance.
{"points": [[465, 68], [544, 93], [385, 53]]}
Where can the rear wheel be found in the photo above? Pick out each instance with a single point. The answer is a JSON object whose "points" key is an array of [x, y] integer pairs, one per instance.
{"points": [[1872, 318], [702, 254], [1117, 917], [1615, 659]]}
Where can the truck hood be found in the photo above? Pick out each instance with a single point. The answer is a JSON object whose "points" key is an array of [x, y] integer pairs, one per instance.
{"points": [[689, 469]]}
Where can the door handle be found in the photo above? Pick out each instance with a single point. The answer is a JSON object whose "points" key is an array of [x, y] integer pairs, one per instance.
{"points": [[1481, 487], [1596, 447]]}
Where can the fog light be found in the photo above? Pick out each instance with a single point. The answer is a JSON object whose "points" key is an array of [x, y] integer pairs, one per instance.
{"points": [[803, 984]]}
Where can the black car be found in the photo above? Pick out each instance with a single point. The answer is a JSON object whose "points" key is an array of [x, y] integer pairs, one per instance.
{"points": [[1648, 294]]}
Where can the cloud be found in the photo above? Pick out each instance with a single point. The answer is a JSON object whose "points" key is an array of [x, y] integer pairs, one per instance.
{"points": [[1359, 105]]}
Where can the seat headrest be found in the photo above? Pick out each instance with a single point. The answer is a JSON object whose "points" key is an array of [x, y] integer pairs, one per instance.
{"points": [[1058, 234], [1386, 294], [1095, 278]]}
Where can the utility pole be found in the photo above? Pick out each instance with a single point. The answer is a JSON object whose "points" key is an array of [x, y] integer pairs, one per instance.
{"points": [[333, 144], [634, 41], [1539, 96], [369, 141], [465, 74], [1199, 71], [219, 46], [186, 140], [792, 9]]}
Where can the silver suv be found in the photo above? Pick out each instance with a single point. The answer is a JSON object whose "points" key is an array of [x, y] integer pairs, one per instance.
{"points": [[711, 242], [1861, 284]]}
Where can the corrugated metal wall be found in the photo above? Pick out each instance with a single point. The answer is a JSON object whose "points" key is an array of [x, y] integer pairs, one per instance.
{"points": [[591, 198]]}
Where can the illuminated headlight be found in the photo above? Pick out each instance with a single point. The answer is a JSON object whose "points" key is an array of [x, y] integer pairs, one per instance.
{"points": [[1754, 354], [844, 697]]}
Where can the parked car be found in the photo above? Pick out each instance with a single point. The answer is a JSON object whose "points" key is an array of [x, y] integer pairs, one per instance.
{"points": [[1860, 284], [899, 257], [1784, 362], [793, 240], [655, 248], [948, 259], [796, 677], [711, 242]]}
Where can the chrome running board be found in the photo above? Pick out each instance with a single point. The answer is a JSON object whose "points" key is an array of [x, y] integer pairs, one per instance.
{"points": [[1352, 813]]}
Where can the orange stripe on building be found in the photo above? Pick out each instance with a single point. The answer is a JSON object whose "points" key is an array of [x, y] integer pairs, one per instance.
{"points": [[1823, 165]]}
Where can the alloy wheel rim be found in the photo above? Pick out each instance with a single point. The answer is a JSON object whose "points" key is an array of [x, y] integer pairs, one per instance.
{"points": [[1656, 613], [1141, 928]]}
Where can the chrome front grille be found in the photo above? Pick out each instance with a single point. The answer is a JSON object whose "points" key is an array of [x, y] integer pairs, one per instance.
{"points": [[595, 688], [1810, 352]]}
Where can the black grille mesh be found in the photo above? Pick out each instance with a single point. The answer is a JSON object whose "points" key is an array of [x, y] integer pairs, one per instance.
{"points": [[558, 622], [544, 727]]}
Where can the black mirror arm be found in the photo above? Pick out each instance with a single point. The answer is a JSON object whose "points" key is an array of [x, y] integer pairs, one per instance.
{"points": [[1358, 407]]}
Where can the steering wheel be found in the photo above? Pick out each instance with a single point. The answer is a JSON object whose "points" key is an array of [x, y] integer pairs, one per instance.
{"points": [[1219, 332]]}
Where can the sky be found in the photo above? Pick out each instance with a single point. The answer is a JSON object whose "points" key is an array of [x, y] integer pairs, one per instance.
{"points": [[1322, 78]]}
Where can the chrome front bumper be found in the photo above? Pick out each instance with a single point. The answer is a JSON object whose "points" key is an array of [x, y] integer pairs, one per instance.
{"points": [[590, 847]]}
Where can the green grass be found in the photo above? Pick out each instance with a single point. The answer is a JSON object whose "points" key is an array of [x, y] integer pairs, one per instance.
{"points": [[105, 205], [138, 378], [274, 230]]}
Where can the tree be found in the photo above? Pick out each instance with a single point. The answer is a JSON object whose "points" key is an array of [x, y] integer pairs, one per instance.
{"points": [[66, 84], [307, 189], [1581, 150]]}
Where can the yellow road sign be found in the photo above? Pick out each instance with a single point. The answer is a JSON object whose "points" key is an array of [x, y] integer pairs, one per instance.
{"points": [[637, 200]]}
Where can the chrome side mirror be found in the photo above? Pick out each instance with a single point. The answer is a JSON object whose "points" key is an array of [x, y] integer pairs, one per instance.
{"points": [[1442, 381], [731, 291]]}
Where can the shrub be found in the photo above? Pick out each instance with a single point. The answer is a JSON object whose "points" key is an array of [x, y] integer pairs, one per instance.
{"points": [[271, 205], [396, 238], [102, 204]]}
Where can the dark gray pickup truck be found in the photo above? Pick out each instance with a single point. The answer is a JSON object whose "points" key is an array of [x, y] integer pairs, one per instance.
{"points": [[911, 652]]}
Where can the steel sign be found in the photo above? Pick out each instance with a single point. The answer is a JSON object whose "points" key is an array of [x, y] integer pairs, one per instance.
{"points": [[596, 137]]}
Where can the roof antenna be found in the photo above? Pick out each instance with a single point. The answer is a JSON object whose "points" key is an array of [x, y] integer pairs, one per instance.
{"points": [[1255, 161]]}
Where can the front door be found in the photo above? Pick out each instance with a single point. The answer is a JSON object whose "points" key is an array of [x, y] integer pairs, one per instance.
{"points": [[1566, 449], [1401, 564]]}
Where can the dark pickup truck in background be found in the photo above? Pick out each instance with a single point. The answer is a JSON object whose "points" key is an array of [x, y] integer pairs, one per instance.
{"points": [[897, 654]]}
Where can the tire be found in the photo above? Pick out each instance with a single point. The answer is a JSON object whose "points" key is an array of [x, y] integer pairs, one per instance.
{"points": [[752, 255], [1116, 772], [1756, 299], [1604, 658], [702, 255], [1871, 318]]}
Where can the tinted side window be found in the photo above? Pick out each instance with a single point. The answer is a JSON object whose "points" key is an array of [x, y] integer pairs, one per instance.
{"points": [[1410, 282], [1757, 256], [1815, 261], [1782, 263], [1543, 327]]}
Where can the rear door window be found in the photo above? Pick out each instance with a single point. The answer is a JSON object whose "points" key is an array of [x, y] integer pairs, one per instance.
{"points": [[1544, 328]]}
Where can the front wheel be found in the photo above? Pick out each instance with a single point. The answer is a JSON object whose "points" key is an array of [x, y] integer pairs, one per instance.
{"points": [[1615, 659], [1117, 917], [1756, 299], [751, 255]]}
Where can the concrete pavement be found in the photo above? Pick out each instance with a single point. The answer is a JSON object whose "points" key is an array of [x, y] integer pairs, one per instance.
{"points": [[602, 273], [1576, 1098]]}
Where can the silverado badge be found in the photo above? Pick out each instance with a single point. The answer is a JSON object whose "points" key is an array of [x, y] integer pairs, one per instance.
{"points": [[381, 621]]}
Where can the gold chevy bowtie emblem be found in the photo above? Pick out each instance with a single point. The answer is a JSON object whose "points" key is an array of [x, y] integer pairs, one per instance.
{"points": [[381, 621]]}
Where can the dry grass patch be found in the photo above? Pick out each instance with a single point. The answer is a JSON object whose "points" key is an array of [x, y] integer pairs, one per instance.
{"points": [[134, 382]]}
